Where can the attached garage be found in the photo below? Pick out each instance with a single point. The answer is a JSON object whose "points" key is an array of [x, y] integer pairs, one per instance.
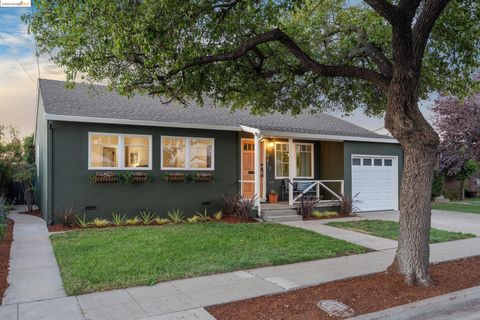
{"points": [[375, 182]]}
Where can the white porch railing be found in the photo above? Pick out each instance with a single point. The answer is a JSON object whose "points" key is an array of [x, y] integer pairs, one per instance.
{"points": [[308, 186]]}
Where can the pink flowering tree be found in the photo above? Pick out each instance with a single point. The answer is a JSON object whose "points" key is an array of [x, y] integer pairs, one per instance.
{"points": [[458, 124]]}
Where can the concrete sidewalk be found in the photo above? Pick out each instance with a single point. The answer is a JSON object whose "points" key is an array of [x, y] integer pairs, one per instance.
{"points": [[33, 272]]}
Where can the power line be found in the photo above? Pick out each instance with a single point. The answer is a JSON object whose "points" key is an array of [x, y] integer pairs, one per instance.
{"points": [[18, 61]]}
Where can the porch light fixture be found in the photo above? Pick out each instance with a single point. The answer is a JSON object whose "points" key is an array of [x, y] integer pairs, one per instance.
{"points": [[270, 145]]}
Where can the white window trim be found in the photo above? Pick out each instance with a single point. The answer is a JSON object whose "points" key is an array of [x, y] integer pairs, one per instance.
{"points": [[187, 154], [275, 158], [120, 151], [312, 157]]}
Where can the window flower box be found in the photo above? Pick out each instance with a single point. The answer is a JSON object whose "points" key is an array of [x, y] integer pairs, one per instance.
{"points": [[104, 177], [174, 177], [136, 177], [202, 177]]}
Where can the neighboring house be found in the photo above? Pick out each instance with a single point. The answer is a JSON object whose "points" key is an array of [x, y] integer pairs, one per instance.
{"points": [[88, 130]]}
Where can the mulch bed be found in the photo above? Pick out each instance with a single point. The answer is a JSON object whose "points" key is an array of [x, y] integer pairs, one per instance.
{"points": [[225, 219], [36, 213], [364, 294], [330, 218], [5, 246]]}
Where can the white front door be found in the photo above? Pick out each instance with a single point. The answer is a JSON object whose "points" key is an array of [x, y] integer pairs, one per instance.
{"points": [[375, 183]]}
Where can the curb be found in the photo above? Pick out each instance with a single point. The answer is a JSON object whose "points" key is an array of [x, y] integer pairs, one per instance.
{"points": [[428, 308]]}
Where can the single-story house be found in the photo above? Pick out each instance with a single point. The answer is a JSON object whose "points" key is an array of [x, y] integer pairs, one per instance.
{"points": [[91, 141]]}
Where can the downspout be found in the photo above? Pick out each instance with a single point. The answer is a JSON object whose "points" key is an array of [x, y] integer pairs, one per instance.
{"points": [[49, 172]]}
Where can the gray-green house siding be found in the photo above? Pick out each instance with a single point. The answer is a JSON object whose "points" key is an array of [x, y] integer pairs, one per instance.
{"points": [[71, 186], [42, 150], [64, 177]]}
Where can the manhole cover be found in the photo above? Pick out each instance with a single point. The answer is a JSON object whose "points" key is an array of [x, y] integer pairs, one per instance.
{"points": [[336, 308]]}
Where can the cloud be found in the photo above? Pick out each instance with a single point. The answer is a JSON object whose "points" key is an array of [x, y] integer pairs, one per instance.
{"points": [[18, 92]]}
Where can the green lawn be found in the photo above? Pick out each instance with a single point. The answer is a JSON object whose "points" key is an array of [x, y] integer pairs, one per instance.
{"points": [[94, 260], [470, 206], [389, 229]]}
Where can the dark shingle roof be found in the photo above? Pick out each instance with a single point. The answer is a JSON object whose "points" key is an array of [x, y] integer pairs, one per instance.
{"points": [[98, 102]]}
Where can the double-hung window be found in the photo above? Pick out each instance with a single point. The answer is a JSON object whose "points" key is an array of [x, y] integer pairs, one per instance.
{"points": [[186, 153], [112, 151]]}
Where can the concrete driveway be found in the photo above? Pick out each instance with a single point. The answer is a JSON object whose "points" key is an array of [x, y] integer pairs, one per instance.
{"points": [[444, 220]]}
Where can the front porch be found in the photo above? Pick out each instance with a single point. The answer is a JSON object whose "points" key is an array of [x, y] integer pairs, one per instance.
{"points": [[292, 167]]}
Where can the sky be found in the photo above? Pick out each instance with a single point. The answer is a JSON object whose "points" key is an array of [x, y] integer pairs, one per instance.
{"points": [[19, 74]]}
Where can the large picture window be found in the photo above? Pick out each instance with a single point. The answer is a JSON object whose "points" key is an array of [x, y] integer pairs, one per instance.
{"points": [[185, 153], [104, 151], [109, 151], [137, 152], [304, 160], [201, 153]]}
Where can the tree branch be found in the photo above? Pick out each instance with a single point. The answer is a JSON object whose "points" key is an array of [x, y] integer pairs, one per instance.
{"points": [[409, 6], [379, 58], [306, 61], [390, 12], [425, 23]]}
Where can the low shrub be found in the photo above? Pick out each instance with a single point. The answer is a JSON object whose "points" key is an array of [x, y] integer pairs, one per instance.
{"points": [[347, 206], [161, 221], [132, 221], [146, 217], [68, 217], [453, 195], [218, 215], [176, 216], [194, 219], [3, 216], [82, 221], [307, 205], [324, 214], [118, 219], [202, 216], [230, 203], [245, 207], [100, 223]]}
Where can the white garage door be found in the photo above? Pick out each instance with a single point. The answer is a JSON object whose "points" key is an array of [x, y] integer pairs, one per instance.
{"points": [[375, 180]]}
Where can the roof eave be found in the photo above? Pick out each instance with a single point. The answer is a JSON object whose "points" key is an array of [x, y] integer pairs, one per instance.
{"points": [[266, 133]]}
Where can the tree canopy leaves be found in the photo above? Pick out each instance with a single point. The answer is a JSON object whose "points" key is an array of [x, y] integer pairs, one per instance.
{"points": [[154, 46]]}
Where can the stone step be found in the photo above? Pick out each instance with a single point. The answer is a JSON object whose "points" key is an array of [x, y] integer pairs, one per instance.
{"points": [[329, 203], [266, 208], [287, 212], [274, 218]]}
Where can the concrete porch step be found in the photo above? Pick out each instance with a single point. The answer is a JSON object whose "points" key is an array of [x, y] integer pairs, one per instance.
{"points": [[283, 212], [283, 218]]}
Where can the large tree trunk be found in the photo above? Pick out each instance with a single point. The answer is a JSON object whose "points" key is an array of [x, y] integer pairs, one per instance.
{"points": [[419, 142]]}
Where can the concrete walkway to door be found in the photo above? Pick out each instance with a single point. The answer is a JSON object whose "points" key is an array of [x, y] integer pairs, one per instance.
{"points": [[33, 273]]}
